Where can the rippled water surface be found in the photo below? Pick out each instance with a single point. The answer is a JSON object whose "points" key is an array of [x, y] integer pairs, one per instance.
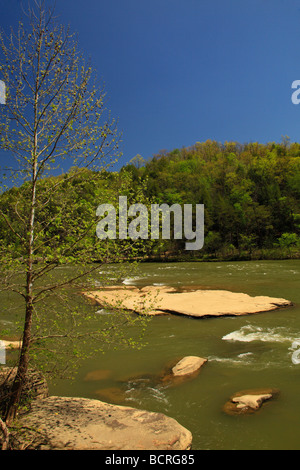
{"points": [[250, 352]]}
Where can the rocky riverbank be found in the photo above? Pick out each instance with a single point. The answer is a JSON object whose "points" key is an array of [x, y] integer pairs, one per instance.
{"points": [[66, 423], [56, 423]]}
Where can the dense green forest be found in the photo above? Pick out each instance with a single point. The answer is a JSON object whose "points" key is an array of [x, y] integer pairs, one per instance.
{"points": [[251, 194]]}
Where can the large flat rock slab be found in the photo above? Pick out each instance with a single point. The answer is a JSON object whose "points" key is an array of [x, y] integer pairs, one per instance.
{"points": [[154, 300], [64, 423]]}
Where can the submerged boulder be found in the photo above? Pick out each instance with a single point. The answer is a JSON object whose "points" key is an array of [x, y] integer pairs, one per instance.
{"points": [[175, 373], [113, 395], [97, 375], [84, 424]]}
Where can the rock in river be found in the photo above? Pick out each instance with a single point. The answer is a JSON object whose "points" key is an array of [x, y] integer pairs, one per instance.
{"points": [[152, 300], [188, 365], [249, 401], [85, 424]]}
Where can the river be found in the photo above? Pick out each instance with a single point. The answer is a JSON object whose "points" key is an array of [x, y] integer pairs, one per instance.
{"points": [[249, 352]]}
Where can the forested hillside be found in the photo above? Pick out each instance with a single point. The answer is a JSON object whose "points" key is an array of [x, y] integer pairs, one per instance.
{"points": [[251, 194]]}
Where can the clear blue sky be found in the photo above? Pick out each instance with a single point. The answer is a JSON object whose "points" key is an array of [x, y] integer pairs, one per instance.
{"points": [[182, 71]]}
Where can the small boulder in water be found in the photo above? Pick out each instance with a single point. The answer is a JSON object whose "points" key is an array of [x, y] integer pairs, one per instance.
{"points": [[181, 370], [249, 401], [188, 365], [113, 395]]}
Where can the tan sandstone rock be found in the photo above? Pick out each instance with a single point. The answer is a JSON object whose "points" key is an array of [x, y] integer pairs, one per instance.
{"points": [[188, 365], [152, 300], [84, 424], [249, 401]]}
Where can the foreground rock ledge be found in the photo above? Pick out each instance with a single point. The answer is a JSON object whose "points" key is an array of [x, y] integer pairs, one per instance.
{"points": [[84, 424], [152, 300]]}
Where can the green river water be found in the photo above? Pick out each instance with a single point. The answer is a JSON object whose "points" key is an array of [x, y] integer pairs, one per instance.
{"points": [[249, 352]]}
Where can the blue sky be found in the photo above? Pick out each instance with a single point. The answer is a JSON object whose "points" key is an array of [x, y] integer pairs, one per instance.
{"points": [[182, 71]]}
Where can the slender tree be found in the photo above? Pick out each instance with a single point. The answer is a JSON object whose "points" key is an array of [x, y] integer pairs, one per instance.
{"points": [[54, 116]]}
